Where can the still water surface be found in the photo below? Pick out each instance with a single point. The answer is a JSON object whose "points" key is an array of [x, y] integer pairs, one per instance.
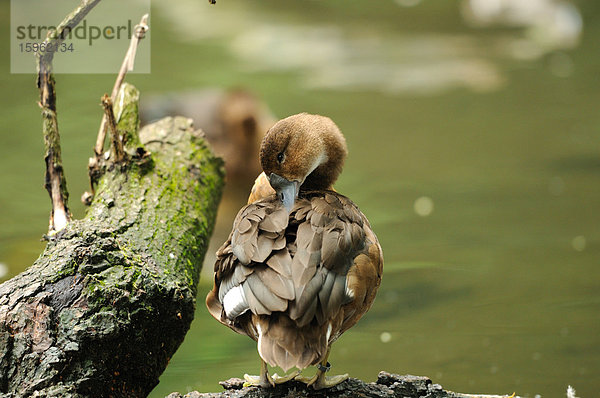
{"points": [[474, 138]]}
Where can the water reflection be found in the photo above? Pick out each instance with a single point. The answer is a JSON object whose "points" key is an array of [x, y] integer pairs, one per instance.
{"points": [[548, 25], [579, 243], [385, 337], [329, 58], [338, 57], [423, 206], [556, 24]]}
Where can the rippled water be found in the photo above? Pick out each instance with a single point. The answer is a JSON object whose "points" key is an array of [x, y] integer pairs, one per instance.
{"points": [[474, 143]]}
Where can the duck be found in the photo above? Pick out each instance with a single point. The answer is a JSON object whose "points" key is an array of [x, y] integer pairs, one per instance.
{"points": [[302, 264]]}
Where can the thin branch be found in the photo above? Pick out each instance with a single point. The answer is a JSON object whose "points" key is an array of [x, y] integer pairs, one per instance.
{"points": [[127, 65], [55, 181]]}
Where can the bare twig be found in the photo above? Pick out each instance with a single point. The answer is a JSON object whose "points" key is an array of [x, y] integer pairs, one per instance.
{"points": [[55, 181], [117, 151], [127, 65]]}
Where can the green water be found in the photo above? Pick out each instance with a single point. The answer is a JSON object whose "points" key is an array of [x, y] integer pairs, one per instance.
{"points": [[493, 290]]}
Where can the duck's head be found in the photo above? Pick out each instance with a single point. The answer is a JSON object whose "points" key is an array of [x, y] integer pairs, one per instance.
{"points": [[302, 152]]}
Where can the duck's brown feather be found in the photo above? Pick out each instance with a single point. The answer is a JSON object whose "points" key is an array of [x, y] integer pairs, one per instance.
{"points": [[317, 268]]}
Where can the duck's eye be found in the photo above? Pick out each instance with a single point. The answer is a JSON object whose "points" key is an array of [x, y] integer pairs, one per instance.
{"points": [[280, 157]]}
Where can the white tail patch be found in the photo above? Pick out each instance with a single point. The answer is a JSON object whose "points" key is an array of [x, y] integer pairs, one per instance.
{"points": [[328, 331], [234, 302]]}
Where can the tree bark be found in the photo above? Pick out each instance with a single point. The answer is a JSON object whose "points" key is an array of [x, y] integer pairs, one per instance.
{"points": [[388, 385], [103, 309]]}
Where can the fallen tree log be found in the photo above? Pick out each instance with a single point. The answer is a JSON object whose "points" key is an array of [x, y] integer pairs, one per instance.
{"points": [[103, 309], [388, 385]]}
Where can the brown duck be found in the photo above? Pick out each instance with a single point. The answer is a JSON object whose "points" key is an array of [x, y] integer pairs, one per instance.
{"points": [[301, 265]]}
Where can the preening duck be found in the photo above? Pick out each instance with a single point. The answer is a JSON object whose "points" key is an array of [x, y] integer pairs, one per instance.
{"points": [[301, 265]]}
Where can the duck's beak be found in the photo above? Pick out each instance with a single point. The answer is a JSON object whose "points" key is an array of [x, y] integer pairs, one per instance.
{"points": [[287, 191]]}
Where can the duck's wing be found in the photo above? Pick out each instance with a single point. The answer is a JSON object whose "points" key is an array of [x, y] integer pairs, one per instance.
{"points": [[253, 267], [362, 281], [336, 264]]}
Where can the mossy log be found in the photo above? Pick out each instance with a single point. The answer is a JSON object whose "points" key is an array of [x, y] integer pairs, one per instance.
{"points": [[105, 306], [388, 385]]}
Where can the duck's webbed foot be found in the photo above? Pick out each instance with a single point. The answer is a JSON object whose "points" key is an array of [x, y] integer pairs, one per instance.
{"points": [[265, 380], [258, 381], [282, 379], [329, 381], [319, 380]]}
